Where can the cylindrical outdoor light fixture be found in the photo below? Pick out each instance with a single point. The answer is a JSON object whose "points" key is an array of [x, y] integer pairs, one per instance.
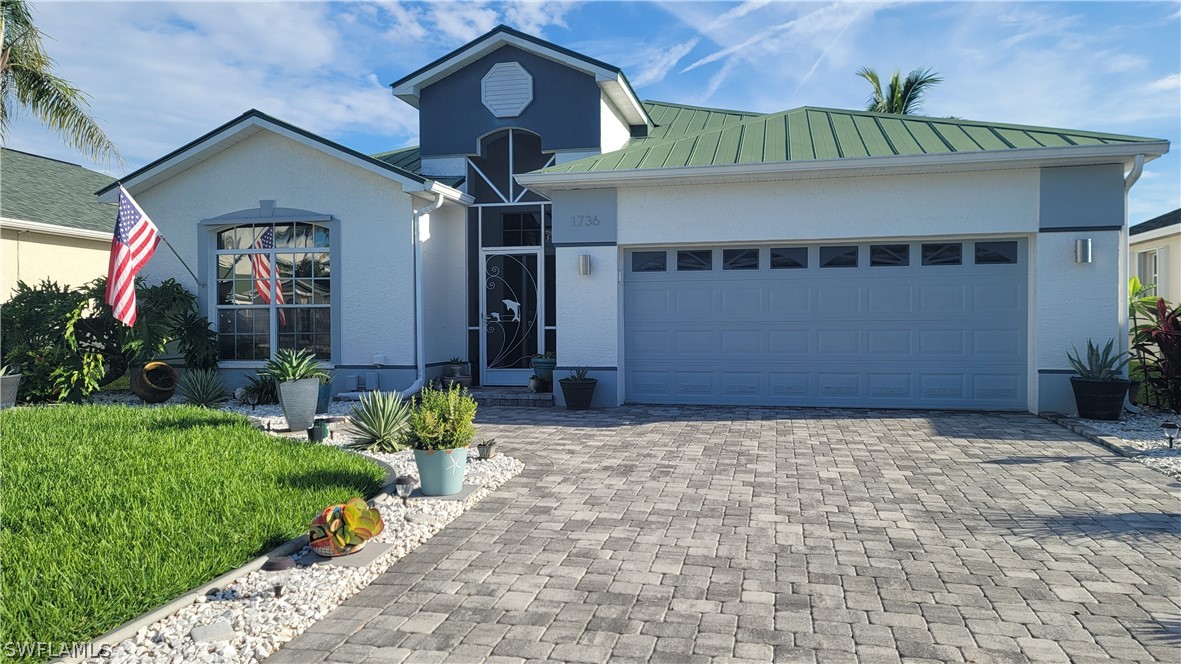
{"points": [[1082, 250], [584, 265]]}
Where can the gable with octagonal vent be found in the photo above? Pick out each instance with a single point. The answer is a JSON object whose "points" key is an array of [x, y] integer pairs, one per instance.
{"points": [[507, 89]]}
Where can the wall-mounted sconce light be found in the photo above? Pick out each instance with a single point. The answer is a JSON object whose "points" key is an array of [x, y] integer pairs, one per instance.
{"points": [[1082, 250], [584, 265]]}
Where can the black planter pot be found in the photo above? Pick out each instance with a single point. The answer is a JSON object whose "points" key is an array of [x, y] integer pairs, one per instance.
{"points": [[578, 393], [1099, 399]]}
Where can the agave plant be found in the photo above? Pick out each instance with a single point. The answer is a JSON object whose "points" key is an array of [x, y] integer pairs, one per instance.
{"points": [[379, 421], [203, 387], [289, 365], [350, 524], [1099, 365]]}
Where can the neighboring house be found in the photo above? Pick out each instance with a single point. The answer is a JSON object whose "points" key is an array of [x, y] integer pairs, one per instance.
{"points": [[1154, 248], [51, 227], [816, 257]]}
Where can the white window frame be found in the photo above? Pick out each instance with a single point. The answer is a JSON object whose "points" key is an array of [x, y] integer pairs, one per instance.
{"points": [[214, 306]]}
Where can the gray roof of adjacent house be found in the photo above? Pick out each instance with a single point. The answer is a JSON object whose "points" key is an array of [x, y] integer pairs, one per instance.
{"points": [[1167, 219], [48, 191]]}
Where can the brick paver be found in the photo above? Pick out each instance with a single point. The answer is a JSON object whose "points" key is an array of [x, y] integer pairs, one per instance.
{"points": [[745, 534]]}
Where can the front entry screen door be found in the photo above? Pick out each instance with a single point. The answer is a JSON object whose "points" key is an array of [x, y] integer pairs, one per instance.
{"points": [[512, 316]]}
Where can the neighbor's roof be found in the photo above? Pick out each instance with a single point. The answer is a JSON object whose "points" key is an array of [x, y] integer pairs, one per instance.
{"points": [[719, 138], [410, 160], [48, 191], [1165, 220]]}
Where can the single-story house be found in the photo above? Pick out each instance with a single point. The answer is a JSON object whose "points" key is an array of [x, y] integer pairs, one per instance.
{"points": [[815, 256], [51, 226], [1154, 249]]}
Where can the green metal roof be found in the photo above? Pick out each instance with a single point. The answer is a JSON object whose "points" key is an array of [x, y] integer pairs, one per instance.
{"points": [[705, 137], [34, 188], [677, 120], [409, 159]]}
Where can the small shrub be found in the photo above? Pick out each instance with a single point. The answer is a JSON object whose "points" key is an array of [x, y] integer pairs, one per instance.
{"points": [[1158, 342], [442, 419], [380, 421], [1098, 365], [260, 390], [203, 387]]}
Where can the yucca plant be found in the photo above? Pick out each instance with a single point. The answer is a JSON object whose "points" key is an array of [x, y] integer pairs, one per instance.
{"points": [[346, 526], [379, 422], [203, 387], [1099, 365], [289, 365]]}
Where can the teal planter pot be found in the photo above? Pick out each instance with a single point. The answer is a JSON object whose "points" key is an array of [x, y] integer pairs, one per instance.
{"points": [[441, 472], [324, 396]]}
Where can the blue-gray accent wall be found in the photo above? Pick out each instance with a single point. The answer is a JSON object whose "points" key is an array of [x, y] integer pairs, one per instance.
{"points": [[584, 217], [1080, 197], [565, 108]]}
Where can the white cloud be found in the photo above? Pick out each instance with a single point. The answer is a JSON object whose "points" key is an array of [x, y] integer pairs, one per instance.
{"points": [[661, 61], [1170, 83]]}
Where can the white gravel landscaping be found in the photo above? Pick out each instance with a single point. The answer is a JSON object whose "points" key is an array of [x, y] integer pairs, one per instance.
{"points": [[1143, 432], [262, 622]]}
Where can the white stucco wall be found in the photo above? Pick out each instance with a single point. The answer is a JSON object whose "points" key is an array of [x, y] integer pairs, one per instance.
{"points": [[374, 297], [614, 131], [860, 207], [445, 283], [30, 256], [590, 331]]}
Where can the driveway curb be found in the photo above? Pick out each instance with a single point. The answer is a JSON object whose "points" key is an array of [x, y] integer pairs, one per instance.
{"points": [[1094, 435]]}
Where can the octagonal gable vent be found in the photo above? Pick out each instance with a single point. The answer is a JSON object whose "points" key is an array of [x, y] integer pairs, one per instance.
{"points": [[507, 89]]}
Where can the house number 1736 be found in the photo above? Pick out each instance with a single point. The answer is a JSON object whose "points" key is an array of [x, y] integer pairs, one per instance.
{"points": [[579, 220]]}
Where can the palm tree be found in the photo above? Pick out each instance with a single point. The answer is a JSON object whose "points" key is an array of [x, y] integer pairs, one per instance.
{"points": [[27, 80], [901, 97]]}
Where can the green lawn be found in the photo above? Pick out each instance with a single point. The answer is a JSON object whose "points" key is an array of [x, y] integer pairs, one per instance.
{"points": [[108, 511]]}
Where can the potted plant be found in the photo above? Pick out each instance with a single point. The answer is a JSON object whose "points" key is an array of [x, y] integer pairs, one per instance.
{"points": [[543, 365], [298, 375], [1099, 389], [457, 373], [440, 430], [487, 448], [9, 386], [343, 529], [578, 389], [324, 392]]}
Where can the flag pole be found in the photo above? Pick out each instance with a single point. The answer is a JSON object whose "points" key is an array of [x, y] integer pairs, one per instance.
{"points": [[182, 261]]}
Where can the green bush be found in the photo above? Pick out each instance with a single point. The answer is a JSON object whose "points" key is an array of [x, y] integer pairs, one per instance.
{"points": [[110, 511], [442, 419], [261, 389]]}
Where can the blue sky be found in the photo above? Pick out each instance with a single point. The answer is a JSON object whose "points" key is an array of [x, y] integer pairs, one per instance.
{"points": [[161, 74]]}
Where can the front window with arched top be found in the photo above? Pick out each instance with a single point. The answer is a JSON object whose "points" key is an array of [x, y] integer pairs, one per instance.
{"points": [[274, 289]]}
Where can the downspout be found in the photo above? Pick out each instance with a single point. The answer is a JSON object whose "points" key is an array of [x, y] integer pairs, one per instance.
{"points": [[1125, 262], [419, 322]]}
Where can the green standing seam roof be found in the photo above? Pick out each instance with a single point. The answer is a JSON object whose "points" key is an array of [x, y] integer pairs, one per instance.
{"points": [[711, 137], [48, 191], [409, 159]]}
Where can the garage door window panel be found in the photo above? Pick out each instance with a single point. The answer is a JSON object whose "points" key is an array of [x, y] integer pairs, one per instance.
{"points": [[947, 253], [697, 260], [889, 255], [649, 261], [996, 253], [787, 258], [740, 259], [841, 256]]}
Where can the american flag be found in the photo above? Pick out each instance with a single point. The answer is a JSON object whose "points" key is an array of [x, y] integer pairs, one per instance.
{"points": [[134, 243], [262, 272]]}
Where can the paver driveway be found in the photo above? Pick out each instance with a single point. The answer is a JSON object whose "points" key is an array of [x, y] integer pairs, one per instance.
{"points": [[721, 534]]}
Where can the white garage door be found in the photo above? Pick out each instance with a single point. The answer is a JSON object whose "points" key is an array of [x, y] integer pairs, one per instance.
{"points": [[929, 324]]}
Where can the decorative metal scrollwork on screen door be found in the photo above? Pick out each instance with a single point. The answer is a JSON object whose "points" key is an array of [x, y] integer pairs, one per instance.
{"points": [[510, 309]]}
